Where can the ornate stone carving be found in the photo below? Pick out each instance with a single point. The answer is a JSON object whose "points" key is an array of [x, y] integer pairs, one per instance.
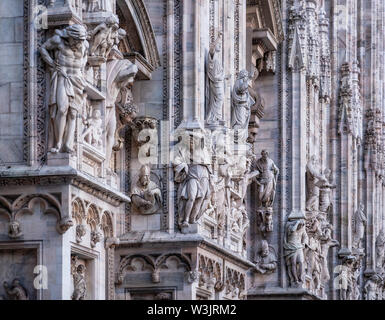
{"points": [[215, 82], [80, 232], [15, 291], [146, 194], [120, 75], [194, 190], [93, 131], [266, 180], [350, 271], [314, 179], [79, 278], [24, 203], [325, 192], [66, 55], [372, 286], [153, 263], [14, 229], [241, 106], [103, 37], [266, 259], [359, 226], [295, 239], [380, 250]]}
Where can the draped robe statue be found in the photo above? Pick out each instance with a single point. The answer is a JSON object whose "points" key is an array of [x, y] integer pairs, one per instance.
{"points": [[267, 179], [215, 77], [241, 106]]}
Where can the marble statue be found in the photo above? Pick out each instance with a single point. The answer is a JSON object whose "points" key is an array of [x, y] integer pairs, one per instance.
{"points": [[313, 181], [370, 287], [266, 180], [193, 177], [359, 225], [120, 75], [146, 195], [327, 242], [295, 240], [66, 55], [116, 36], [93, 133], [15, 291], [325, 192], [380, 250], [266, 260], [241, 106], [80, 285], [101, 36], [80, 232], [215, 82]]}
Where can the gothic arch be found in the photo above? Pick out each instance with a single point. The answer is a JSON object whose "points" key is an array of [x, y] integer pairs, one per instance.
{"points": [[140, 39]]}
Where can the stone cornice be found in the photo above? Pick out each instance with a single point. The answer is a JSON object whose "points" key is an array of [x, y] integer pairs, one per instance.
{"points": [[149, 239], [63, 175]]}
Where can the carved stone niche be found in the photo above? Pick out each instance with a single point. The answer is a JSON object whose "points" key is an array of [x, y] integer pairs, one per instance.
{"points": [[83, 276], [16, 272]]}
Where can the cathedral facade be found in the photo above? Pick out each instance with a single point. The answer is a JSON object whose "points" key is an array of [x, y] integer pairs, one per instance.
{"points": [[192, 149]]}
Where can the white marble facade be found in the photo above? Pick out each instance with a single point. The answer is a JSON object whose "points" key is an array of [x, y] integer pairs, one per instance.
{"points": [[192, 149]]}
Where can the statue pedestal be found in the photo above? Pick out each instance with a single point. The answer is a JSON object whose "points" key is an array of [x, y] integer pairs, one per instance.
{"points": [[191, 228], [61, 159]]}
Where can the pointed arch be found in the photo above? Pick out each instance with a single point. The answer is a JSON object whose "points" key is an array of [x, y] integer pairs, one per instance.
{"points": [[140, 39]]}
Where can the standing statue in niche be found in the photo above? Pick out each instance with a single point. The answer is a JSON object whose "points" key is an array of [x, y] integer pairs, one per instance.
{"points": [[69, 56], [146, 195], [194, 178], [120, 75], [16, 291], [380, 250], [313, 181], [215, 78], [295, 240], [359, 224], [266, 180], [80, 285], [326, 189], [241, 106]]}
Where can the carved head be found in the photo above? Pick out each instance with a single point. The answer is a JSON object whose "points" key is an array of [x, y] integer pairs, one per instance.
{"points": [[265, 154], [14, 228], [112, 20], [242, 83], [314, 160], [16, 282], [76, 34], [121, 33], [144, 177], [264, 248], [96, 114], [81, 269]]}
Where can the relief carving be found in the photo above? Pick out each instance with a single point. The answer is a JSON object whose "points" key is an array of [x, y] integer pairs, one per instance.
{"points": [[15, 291], [146, 194], [266, 259]]}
